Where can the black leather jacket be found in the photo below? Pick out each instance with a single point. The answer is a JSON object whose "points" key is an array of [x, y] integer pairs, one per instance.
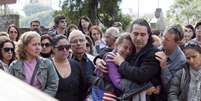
{"points": [[141, 69]]}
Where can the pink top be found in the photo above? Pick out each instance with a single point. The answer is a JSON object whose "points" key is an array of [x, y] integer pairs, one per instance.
{"points": [[29, 67]]}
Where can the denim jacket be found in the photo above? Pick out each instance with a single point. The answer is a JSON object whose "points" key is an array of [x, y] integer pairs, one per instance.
{"points": [[46, 74]]}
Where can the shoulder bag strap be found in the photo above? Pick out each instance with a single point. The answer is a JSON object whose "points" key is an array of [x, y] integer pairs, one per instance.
{"points": [[34, 72]]}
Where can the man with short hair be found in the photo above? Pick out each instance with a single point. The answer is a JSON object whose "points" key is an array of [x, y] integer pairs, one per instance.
{"points": [[59, 26], [78, 45], [111, 35], [172, 57], [35, 26]]}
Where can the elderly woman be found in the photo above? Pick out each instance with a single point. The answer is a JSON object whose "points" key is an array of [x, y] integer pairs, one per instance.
{"points": [[31, 68], [185, 86]]}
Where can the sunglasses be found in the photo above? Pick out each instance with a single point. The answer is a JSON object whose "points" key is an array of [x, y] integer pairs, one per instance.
{"points": [[192, 45], [76, 40], [62, 21], [13, 31], [8, 49], [45, 44], [62, 47]]}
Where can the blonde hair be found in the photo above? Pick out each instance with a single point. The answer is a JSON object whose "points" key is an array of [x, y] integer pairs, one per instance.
{"points": [[74, 34], [23, 42], [123, 36], [4, 34], [114, 31]]}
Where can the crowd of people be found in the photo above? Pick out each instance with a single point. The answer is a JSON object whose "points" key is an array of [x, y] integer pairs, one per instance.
{"points": [[83, 62]]}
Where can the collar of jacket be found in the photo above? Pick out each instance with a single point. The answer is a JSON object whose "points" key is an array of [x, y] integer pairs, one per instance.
{"points": [[84, 57], [20, 64], [146, 49]]}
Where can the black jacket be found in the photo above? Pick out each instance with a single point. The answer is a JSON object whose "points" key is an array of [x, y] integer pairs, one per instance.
{"points": [[142, 68]]}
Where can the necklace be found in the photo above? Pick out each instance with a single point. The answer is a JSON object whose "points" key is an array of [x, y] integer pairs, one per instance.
{"points": [[63, 69]]}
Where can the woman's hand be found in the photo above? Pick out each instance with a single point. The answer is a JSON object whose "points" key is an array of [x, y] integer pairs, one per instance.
{"points": [[115, 58], [162, 58], [101, 65], [153, 90]]}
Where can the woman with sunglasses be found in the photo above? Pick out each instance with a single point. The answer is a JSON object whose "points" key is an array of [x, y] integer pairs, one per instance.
{"points": [[68, 70], [7, 54], [46, 44], [31, 68], [186, 84]]}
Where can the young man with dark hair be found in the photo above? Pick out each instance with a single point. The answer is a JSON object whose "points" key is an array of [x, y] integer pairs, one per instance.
{"points": [[59, 26], [35, 26]]}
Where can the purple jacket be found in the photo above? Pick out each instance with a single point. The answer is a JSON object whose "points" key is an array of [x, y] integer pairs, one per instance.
{"points": [[113, 73]]}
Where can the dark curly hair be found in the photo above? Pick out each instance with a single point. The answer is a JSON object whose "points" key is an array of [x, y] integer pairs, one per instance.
{"points": [[193, 46]]}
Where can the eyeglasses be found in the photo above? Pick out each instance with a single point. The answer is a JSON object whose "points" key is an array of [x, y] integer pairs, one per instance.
{"points": [[8, 49], [62, 47], [76, 41], [35, 25], [12, 31], [45, 44], [192, 45]]}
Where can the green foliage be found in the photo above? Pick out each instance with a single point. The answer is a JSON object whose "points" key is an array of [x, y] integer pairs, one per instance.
{"points": [[126, 21], [184, 12], [107, 12]]}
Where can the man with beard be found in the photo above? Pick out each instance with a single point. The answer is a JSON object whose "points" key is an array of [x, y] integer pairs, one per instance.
{"points": [[35, 26]]}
